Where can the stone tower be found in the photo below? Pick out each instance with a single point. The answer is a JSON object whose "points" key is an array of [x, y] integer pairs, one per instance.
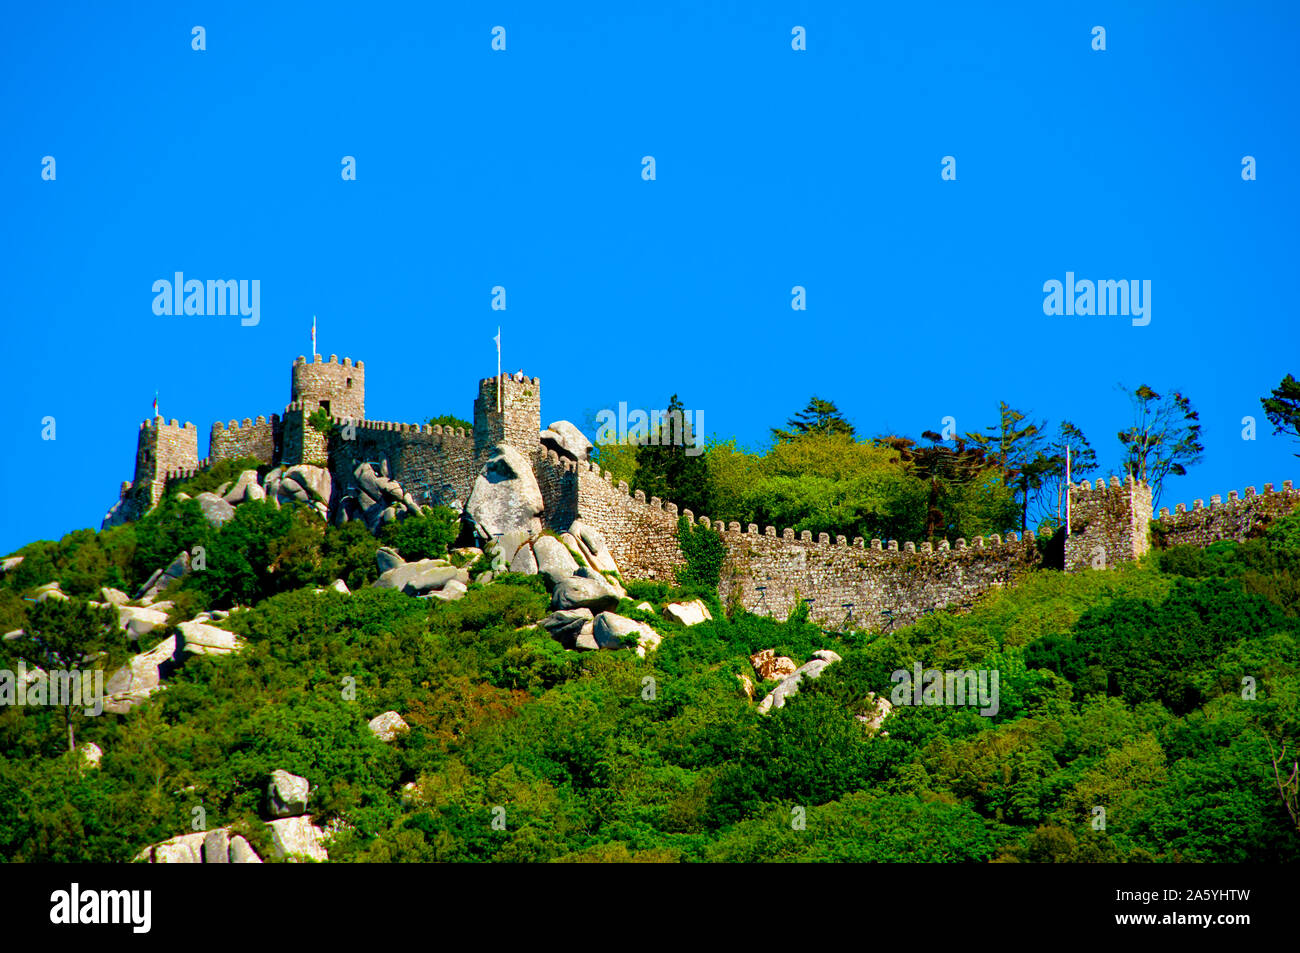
{"points": [[162, 448], [1108, 524], [338, 388], [518, 419]]}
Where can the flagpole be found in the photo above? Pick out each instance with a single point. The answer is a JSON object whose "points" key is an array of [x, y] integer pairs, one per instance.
{"points": [[1067, 491], [498, 367]]}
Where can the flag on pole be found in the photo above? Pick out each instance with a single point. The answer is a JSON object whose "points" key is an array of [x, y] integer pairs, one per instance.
{"points": [[498, 340], [313, 337], [155, 403]]}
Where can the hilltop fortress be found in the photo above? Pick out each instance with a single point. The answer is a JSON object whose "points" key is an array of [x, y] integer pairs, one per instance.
{"points": [[846, 583]]}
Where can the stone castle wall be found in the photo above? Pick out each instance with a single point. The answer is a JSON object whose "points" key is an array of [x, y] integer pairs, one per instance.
{"points": [[769, 572], [1108, 524], [434, 464], [260, 439], [341, 386], [1239, 518], [855, 585]]}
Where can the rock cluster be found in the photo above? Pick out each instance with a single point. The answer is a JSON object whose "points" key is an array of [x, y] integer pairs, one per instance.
{"points": [[790, 684]]}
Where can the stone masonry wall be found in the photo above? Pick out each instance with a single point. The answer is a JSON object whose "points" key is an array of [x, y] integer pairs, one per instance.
{"points": [[1239, 518], [258, 439], [160, 448], [434, 464], [642, 536], [851, 586], [343, 386], [1108, 524], [516, 423], [557, 478]]}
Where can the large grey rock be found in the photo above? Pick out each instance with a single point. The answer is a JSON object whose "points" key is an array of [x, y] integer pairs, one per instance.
{"points": [[241, 851], [11, 563], [582, 592], [610, 580], [163, 578], [524, 560], [388, 558], [567, 624], [216, 846], [297, 838], [420, 577], [453, 590], [388, 726], [239, 492], [199, 638], [316, 482], [286, 794], [140, 620], [790, 684], [565, 438], [114, 597], [51, 590], [215, 510], [505, 497], [613, 631], [554, 561], [688, 613], [139, 678], [593, 546]]}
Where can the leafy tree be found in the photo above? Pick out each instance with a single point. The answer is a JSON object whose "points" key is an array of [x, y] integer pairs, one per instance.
{"points": [[818, 417], [946, 473], [704, 552], [669, 462], [1164, 440], [1282, 407], [1016, 450], [1049, 471], [65, 636], [449, 420], [423, 536]]}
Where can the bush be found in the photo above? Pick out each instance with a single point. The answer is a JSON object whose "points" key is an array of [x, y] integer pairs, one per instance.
{"points": [[425, 536]]}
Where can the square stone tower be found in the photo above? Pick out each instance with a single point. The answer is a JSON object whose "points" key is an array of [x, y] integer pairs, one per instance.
{"points": [[338, 388], [162, 448], [1108, 524], [516, 420]]}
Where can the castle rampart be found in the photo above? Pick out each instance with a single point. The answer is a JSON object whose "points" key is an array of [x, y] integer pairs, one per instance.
{"points": [[768, 572], [1237, 518]]}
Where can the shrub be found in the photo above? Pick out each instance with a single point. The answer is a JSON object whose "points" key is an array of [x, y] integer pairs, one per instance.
{"points": [[425, 536]]}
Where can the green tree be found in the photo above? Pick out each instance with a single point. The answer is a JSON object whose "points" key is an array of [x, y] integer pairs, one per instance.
{"points": [[449, 420], [818, 417], [670, 462], [1164, 439], [1049, 471], [64, 636], [1015, 448], [1282, 407]]}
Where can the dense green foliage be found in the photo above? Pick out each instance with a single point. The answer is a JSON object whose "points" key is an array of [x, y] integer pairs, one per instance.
{"points": [[426, 536], [1120, 689]]}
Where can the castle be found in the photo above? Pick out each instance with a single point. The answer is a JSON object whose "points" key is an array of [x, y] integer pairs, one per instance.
{"points": [[768, 572]]}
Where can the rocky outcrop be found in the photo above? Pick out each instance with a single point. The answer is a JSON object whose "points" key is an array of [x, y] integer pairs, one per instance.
{"points": [[286, 794], [139, 678], [769, 665], [426, 577], [505, 497], [585, 592], [199, 638], [881, 708], [553, 559], [388, 726], [162, 578], [296, 838], [378, 499], [114, 597], [140, 620], [790, 685], [246, 487], [567, 625], [220, 846], [688, 613], [215, 509], [613, 631], [566, 439]]}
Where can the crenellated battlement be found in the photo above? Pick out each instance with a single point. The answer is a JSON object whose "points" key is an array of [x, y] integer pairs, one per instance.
{"points": [[1239, 517]]}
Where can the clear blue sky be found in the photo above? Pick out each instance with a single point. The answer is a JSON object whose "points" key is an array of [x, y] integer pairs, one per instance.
{"points": [[775, 168]]}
